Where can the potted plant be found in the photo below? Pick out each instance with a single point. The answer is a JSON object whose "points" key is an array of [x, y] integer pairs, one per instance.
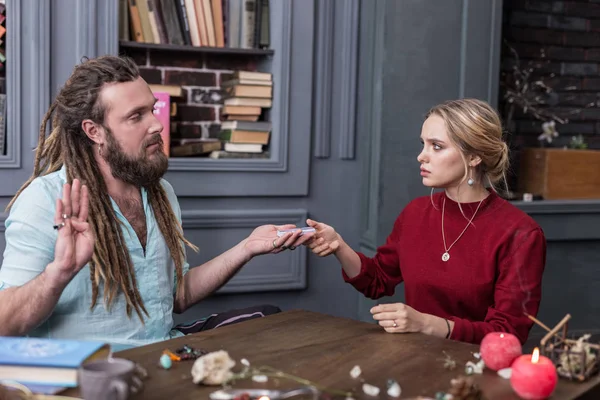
{"points": [[570, 172]]}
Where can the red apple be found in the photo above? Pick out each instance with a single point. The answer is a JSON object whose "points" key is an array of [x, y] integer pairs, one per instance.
{"points": [[499, 350]]}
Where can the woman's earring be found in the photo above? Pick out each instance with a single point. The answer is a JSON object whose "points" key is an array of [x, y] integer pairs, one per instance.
{"points": [[470, 181]]}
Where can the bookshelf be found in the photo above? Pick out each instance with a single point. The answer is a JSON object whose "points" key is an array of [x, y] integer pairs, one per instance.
{"points": [[199, 46], [127, 44], [284, 167]]}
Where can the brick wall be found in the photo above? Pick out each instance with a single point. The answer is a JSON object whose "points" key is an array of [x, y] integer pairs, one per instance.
{"points": [[561, 40], [200, 75]]}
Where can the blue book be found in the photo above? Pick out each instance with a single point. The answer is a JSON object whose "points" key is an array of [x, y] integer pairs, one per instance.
{"points": [[50, 362]]}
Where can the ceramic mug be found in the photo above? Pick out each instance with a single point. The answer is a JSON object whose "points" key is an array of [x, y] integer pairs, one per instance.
{"points": [[112, 379]]}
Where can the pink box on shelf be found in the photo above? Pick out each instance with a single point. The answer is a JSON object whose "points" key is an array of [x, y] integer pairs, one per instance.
{"points": [[162, 110]]}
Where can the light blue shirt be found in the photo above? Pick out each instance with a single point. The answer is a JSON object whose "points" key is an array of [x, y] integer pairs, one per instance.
{"points": [[30, 240]]}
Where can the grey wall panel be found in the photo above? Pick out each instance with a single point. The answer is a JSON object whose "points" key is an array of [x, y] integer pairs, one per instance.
{"points": [[323, 80], [216, 231]]}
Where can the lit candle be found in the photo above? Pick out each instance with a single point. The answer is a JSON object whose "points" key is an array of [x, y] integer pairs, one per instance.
{"points": [[498, 350], [533, 377]]}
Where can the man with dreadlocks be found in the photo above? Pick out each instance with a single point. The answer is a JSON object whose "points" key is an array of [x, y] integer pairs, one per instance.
{"points": [[96, 218]]}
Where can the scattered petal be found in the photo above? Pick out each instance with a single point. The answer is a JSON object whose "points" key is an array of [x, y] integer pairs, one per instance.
{"points": [[260, 378], [220, 395], [355, 372], [477, 355], [245, 362], [505, 373], [394, 389], [370, 390]]}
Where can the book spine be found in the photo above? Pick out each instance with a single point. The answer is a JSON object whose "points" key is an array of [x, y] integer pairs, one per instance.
{"points": [[264, 41], [248, 24], [234, 23], [145, 20], [160, 21], [257, 22], [136, 23], [183, 21], [171, 20]]}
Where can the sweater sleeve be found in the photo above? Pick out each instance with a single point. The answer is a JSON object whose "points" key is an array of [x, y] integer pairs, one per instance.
{"points": [[379, 275], [517, 291]]}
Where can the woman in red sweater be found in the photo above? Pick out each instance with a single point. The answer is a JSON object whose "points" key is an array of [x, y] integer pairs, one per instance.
{"points": [[470, 261]]}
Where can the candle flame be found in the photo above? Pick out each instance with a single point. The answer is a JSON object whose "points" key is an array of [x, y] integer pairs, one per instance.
{"points": [[535, 357]]}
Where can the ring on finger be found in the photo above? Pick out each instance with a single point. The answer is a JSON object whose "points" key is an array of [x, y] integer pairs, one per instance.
{"points": [[395, 324], [292, 247], [274, 245], [65, 216], [58, 226], [284, 247]]}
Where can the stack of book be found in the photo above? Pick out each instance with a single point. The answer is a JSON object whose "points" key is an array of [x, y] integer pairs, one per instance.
{"points": [[246, 94], [47, 366], [210, 23]]}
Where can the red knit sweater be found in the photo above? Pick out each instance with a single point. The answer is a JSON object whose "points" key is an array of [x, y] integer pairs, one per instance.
{"points": [[492, 278]]}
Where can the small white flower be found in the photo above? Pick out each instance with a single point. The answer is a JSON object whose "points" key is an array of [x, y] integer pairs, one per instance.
{"points": [[475, 368], [245, 362], [260, 378], [212, 368], [355, 372], [477, 355], [549, 131], [370, 390]]}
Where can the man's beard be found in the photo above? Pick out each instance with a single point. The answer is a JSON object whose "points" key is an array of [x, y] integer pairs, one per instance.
{"points": [[141, 170]]}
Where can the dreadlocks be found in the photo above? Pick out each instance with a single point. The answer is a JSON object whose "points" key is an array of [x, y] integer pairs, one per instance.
{"points": [[68, 145]]}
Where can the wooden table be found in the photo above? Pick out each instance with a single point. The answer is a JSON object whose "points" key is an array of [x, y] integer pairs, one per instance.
{"points": [[324, 349]]}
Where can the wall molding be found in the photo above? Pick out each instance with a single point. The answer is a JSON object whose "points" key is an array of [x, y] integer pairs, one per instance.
{"points": [[348, 77], [108, 37], [565, 220], [85, 41], [323, 78], [16, 25], [40, 74], [494, 57], [464, 34], [372, 43], [288, 272]]}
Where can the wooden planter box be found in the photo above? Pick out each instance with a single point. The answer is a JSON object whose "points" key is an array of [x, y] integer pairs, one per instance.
{"points": [[560, 173]]}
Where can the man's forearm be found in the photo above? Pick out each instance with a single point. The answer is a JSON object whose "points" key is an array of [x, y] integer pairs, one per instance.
{"points": [[25, 307], [202, 281]]}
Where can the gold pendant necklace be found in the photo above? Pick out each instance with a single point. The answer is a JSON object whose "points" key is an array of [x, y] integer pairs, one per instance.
{"points": [[446, 255]]}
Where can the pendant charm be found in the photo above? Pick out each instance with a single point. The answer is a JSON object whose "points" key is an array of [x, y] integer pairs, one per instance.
{"points": [[445, 256]]}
